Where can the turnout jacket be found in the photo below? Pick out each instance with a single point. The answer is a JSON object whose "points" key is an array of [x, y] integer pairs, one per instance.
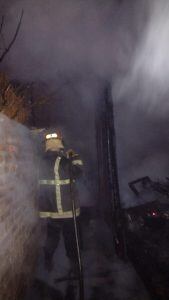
{"points": [[54, 185]]}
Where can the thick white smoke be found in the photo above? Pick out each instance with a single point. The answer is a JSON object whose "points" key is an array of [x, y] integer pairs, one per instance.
{"points": [[18, 215], [72, 42], [152, 56], [147, 82], [143, 93]]}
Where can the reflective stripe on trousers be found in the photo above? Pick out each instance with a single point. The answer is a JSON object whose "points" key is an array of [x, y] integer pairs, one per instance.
{"points": [[54, 182], [57, 215]]}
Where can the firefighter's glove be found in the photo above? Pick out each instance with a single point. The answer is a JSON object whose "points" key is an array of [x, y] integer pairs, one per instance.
{"points": [[70, 153]]}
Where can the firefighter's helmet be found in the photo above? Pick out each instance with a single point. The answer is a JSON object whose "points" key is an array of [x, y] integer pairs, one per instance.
{"points": [[54, 141]]}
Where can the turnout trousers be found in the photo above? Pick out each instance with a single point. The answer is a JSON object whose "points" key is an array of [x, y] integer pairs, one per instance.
{"points": [[54, 229]]}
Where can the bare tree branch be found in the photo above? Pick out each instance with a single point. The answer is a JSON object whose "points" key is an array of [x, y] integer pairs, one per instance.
{"points": [[13, 39], [1, 34], [12, 103], [2, 23], [3, 40]]}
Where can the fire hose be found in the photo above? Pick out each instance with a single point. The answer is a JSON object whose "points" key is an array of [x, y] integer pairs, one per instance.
{"points": [[80, 267]]}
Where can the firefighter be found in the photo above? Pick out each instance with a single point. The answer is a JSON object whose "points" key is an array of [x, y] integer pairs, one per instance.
{"points": [[55, 199]]}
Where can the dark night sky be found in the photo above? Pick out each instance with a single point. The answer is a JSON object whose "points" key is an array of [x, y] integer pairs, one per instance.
{"points": [[74, 46]]}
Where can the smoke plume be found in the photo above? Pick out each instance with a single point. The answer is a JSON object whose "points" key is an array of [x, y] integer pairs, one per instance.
{"points": [[74, 46], [143, 95]]}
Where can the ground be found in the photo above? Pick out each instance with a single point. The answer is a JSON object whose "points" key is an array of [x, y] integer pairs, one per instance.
{"points": [[106, 277]]}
